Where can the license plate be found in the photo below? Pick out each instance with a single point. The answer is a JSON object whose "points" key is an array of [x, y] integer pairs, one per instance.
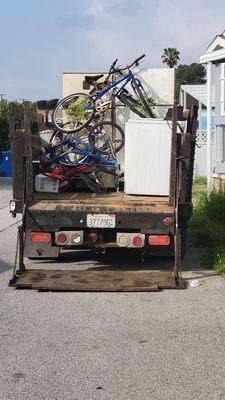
{"points": [[101, 221]]}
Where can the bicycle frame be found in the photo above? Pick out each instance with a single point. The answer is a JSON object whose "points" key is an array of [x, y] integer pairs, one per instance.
{"points": [[126, 79], [91, 155]]}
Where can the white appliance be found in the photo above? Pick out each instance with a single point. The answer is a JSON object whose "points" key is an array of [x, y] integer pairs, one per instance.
{"points": [[147, 156]]}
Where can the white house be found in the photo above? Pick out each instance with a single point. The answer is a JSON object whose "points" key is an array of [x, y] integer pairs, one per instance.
{"points": [[197, 94], [214, 59]]}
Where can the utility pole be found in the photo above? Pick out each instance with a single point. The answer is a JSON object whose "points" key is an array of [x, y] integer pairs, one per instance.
{"points": [[2, 95]]}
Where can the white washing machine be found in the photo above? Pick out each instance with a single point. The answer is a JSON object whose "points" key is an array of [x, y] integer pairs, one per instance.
{"points": [[147, 156]]}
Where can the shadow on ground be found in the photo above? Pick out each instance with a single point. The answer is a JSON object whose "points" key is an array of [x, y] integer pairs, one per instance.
{"points": [[4, 266], [123, 259]]}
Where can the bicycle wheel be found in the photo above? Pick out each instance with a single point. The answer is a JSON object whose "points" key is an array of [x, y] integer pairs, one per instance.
{"points": [[126, 98], [107, 137], [73, 113], [71, 157]]}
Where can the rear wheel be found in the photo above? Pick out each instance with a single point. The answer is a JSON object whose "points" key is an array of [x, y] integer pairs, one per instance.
{"points": [[107, 137], [73, 113]]}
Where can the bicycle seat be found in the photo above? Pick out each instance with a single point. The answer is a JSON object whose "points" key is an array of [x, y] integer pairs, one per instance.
{"points": [[91, 79]]}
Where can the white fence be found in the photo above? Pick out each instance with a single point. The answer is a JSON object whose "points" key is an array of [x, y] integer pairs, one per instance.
{"points": [[200, 164]]}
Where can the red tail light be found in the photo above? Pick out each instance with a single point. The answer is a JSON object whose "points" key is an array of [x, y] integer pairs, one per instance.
{"points": [[40, 237], [138, 241], [93, 237], [159, 240], [62, 238]]}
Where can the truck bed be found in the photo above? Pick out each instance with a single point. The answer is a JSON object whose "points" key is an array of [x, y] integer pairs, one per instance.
{"points": [[100, 202]]}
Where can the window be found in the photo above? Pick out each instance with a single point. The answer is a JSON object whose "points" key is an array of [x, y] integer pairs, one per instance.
{"points": [[222, 94]]}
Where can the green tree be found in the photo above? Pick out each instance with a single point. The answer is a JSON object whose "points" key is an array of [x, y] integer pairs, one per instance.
{"points": [[171, 56], [4, 125], [193, 74]]}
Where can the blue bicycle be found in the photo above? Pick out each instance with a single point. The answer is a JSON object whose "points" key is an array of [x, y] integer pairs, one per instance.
{"points": [[74, 151], [80, 109], [72, 160]]}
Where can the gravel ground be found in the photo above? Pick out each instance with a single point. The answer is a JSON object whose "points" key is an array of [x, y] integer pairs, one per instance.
{"points": [[82, 346]]}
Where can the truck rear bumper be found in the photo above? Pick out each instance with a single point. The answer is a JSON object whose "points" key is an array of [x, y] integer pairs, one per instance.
{"points": [[53, 221]]}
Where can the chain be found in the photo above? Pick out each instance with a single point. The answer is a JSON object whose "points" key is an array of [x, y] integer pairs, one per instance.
{"points": [[179, 249], [16, 253]]}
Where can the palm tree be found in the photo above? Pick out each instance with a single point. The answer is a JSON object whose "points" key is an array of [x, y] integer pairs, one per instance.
{"points": [[170, 56]]}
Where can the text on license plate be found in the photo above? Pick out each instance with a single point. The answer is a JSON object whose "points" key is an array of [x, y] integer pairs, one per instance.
{"points": [[101, 220]]}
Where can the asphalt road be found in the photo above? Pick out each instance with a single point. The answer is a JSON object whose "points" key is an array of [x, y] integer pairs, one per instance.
{"points": [[84, 346], [5, 192]]}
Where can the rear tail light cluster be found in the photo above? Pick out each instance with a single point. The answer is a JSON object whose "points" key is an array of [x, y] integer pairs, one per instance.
{"points": [[130, 239], [69, 238]]}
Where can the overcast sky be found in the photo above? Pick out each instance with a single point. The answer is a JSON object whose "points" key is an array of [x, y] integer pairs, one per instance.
{"points": [[43, 38]]}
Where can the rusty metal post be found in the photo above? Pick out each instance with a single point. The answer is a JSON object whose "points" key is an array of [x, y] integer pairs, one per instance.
{"points": [[21, 250]]}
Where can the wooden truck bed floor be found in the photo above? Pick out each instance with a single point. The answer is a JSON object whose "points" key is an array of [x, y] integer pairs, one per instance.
{"points": [[114, 201]]}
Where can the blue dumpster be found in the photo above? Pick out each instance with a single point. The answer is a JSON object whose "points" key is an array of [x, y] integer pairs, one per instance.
{"points": [[6, 163]]}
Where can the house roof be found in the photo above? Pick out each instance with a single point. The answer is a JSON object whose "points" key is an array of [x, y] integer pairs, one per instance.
{"points": [[199, 92], [215, 51], [217, 43]]}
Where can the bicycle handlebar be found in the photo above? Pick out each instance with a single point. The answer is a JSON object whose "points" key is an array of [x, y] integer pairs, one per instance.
{"points": [[113, 70], [138, 59], [114, 63]]}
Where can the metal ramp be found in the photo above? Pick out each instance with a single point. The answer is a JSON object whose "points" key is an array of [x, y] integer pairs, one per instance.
{"points": [[97, 281]]}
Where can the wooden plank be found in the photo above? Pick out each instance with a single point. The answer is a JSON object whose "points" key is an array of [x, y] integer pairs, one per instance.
{"points": [[187, 155], [17, 141], [46, 206], [194, 116], [28, 149], [96, 281], [116, 201], [25, 144]]}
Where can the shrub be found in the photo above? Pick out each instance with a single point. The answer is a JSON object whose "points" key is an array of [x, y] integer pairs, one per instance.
{"points": [[207, 228], [200, 180]]}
